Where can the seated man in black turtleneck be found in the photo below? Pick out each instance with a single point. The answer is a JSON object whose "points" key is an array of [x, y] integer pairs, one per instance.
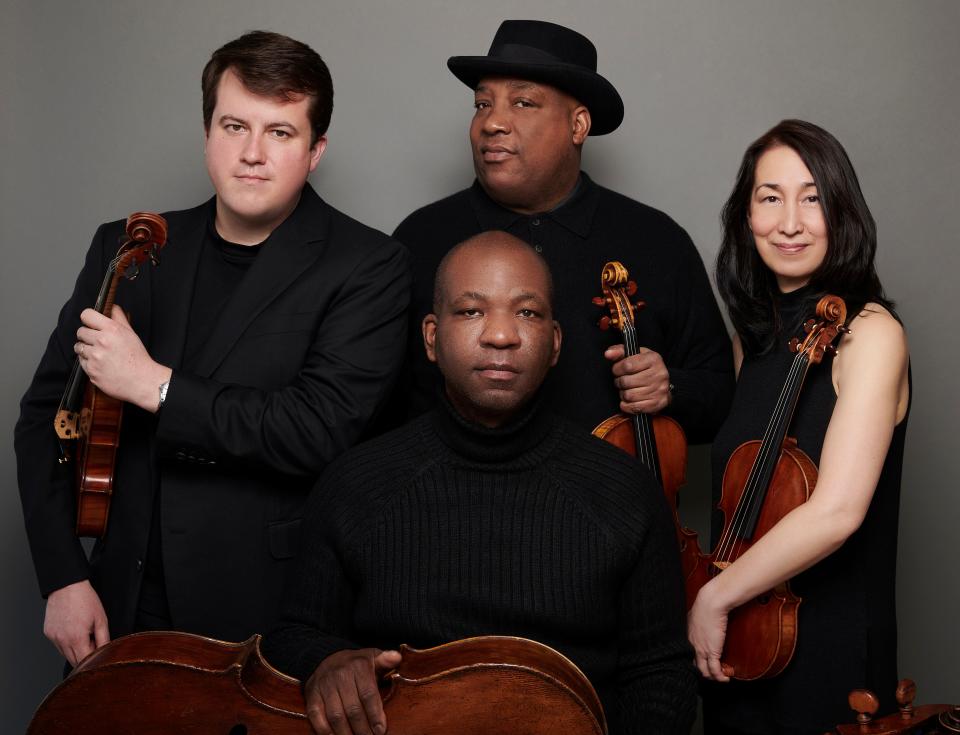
{"points": [[489, 515]]}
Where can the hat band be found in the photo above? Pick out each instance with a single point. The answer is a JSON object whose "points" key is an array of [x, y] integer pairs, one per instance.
{"points": [[520, 52]]}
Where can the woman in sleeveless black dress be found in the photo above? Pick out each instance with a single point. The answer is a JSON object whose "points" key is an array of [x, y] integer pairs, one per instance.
{"points": [[796, 227]]}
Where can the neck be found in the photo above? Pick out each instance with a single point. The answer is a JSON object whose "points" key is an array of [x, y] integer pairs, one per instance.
{"points": [[542, 201]]}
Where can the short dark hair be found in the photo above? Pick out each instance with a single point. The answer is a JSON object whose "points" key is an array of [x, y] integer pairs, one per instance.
{"points": [[272, 65], [747, 286]]}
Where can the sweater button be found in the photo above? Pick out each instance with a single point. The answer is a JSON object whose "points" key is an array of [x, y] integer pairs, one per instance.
{"points": [[536, 222], [538, 248]]}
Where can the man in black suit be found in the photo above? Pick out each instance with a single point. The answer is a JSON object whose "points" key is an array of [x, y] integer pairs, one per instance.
{"points": [[257, 352]]}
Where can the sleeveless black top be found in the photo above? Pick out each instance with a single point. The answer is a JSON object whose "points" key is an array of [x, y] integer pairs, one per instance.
{"points": [[847, 621]]}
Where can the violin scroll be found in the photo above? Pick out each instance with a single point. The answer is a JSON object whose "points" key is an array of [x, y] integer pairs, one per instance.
{"points": [[617, 290], [821, 333], [146, 235]]}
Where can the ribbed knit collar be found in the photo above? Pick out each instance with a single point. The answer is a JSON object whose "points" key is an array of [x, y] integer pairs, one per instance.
{"points": [[575, 213], [523, 441]]}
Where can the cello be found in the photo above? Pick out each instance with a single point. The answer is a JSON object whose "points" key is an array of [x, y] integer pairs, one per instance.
{"points": [[657, 441], [88, 418], [174, 683], [763, 481]]}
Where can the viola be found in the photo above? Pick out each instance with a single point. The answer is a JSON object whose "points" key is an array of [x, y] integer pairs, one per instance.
{"points": [[178, 683], [763, 481], [88, 421], [657, 441]]}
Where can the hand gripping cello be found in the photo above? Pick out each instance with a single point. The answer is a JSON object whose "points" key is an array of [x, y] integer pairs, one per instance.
{"points": [[87, 417]]}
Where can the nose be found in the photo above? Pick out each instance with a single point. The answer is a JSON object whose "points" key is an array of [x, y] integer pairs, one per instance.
{"points": [[790, 220], [496, 120], [499, 332], [253, 151]]}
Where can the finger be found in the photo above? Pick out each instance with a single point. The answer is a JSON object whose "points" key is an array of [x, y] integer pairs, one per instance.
{"points": [[633, 365], [614, 352], [335, 711], [101, 632], [701, 664], [386, 661], [649, 406], [317, 713], [716, 672], [92, 318], [727, 669], [353, 702], [119, 315]]}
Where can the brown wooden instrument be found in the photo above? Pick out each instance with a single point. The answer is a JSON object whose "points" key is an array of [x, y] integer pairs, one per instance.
{"points": [[763, 481], [177, 683], [87, 417], [657, 441], [925, 719]]}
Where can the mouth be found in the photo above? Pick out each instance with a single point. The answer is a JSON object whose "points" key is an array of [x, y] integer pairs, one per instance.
{"points": [[790, 248], [497, 371], [496, 153], [251, 178]]}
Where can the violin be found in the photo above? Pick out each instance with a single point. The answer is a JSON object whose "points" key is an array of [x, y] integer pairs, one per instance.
{"points": [[763, 481], [177, 683], [657, 441], [87, 417]]}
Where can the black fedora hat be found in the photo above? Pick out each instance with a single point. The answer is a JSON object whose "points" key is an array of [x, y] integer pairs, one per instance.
{"points": [[549, 53]]}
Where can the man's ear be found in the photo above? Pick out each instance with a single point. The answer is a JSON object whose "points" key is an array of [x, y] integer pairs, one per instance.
{"points": [[318, 148], [557, 341], [429, 329], [581, 124]]}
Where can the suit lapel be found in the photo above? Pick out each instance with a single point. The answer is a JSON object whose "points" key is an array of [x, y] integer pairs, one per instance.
{"points": [[288, 252], [172, 285]]}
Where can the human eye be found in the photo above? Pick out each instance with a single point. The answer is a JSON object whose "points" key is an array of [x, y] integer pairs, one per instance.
{"points": [[813, 198], [528, 313], [233, 127], [469, 311], [480, 104], [523, 102], [280, 133]]}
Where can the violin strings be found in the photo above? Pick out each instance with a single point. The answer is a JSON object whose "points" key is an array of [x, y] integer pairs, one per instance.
{"points": [[769, 451], [641, 422]]}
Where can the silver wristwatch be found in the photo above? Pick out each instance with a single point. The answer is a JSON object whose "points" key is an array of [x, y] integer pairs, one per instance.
{"points": [[163, 394]]}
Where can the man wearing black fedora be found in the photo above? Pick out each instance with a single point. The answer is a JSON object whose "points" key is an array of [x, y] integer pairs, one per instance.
{"points": [[538, 97]]}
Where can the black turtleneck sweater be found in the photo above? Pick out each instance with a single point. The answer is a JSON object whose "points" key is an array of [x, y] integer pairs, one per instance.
{"points": [[443, 530]]}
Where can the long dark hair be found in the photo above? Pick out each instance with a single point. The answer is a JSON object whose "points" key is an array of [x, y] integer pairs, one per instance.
{"points": [[748, 288]]}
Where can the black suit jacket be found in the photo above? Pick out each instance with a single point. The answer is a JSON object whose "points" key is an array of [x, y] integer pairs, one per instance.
{"points": [[297, 365]]}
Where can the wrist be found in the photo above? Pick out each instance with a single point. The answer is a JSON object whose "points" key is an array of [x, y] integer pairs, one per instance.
{"points": [[151, 387]]}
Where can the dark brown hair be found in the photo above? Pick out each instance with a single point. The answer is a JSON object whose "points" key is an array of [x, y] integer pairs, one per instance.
{"points": [[747, 286], [272, 65]]}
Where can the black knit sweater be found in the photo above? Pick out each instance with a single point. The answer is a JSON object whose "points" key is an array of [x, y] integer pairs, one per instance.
{"points": [[443, 530]]}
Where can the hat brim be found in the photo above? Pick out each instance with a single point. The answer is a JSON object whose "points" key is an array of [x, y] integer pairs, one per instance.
{"points": [[588, 87]]}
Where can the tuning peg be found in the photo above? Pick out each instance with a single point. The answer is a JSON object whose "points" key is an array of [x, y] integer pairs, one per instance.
{"points": [[906, 693], [155, 255], [604, 323], [640, 305], [132, 271], [599, 301], [809, 325], [631, 288], [794, 344], [830, 349], [864, 703], [843, 328]]}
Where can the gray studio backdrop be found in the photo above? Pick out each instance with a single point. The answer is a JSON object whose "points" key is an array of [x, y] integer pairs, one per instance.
{"points": [[101, 116]]}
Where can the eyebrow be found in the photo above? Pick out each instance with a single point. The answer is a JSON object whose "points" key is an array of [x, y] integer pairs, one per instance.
{"points": [[777, 187], [469, 296], [514, 83], [276, 124]]}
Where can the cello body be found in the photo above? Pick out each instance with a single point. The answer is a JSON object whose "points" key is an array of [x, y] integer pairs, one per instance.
{"points": [[182, 684]]}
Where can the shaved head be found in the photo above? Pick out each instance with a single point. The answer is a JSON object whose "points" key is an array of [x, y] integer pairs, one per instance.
{"points": [[481, 245]]}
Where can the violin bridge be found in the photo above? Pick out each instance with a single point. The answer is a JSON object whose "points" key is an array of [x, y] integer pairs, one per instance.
{"points": [[721, 565]]}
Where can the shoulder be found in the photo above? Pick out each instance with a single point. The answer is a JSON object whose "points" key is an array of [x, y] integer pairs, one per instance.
{"points": [[660, 223], [438, 211], [877, 334], [368, 474], [611, 486]]}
